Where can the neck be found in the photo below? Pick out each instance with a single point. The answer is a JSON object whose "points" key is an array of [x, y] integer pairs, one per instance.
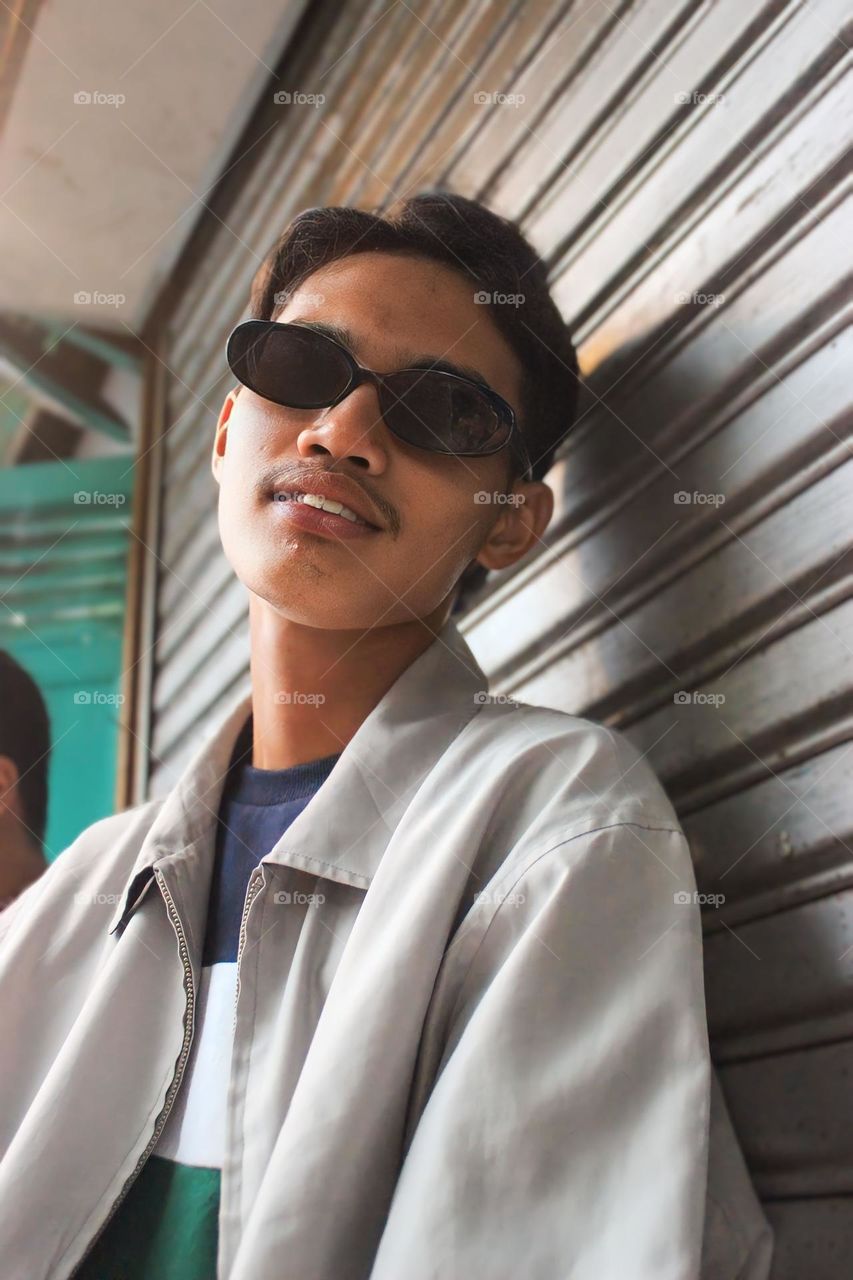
{"points": [[21, 862], [312, 688]]}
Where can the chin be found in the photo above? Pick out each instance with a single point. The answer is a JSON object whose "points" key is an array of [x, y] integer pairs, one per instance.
{"points": [[312, 603], [298, 586], [335, 609]]}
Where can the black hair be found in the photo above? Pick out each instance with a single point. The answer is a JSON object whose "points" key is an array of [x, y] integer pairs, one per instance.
{"points": [[25, 739]]}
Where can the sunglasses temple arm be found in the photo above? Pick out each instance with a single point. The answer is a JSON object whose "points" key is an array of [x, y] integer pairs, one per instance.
{"points": [[525, 458]]}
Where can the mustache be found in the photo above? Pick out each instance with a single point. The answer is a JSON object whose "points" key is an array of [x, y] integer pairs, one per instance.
{"points": [[294, 473]]}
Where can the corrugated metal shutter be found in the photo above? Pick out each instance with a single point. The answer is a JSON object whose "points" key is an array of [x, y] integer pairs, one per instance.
{"points": [[683, 169]]}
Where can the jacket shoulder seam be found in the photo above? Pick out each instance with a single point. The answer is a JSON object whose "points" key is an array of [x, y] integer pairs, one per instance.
{"points": [[537, 856], [489, 920]]}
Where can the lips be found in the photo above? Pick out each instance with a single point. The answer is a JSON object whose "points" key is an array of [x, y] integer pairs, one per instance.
{"points": [[336, 494], [295, 516], [322, 504]]}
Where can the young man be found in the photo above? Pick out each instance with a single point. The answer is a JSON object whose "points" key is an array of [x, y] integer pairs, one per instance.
{"points": [[397, 982], [24, 755]]}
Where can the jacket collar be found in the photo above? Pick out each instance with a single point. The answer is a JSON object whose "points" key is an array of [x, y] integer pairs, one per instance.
{"points": [[344, 830]]}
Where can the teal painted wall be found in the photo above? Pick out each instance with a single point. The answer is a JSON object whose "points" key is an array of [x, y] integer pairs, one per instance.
{"points": [[62, 606]]}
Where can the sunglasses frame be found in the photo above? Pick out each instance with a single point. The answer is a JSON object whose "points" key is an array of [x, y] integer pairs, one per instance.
{"points": [[359, 374]]}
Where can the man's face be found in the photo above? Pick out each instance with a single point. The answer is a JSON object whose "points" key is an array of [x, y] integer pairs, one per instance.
{"points": [[398, 309]]}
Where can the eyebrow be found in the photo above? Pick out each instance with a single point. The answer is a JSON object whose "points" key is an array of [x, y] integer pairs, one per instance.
{"points": [[347, 339]]}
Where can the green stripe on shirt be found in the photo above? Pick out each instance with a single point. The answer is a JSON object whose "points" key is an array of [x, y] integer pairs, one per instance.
{"points": [[166, 1228]]}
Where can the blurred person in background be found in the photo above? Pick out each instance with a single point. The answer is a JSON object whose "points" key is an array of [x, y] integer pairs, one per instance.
{"points": [[24, 755]]}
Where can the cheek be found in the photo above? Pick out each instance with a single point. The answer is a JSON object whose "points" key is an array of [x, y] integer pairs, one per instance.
{"points": [[260, 432], [253, 449], [232, 522], [445, 530]]}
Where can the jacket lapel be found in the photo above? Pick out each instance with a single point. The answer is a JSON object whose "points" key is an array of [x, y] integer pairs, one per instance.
{"points": [[345, 829]]}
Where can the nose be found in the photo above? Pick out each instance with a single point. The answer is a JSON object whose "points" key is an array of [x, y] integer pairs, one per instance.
{"points": [[352, 429]]}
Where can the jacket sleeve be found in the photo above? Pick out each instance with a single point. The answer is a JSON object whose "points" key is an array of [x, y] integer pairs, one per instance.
{"points": [[566, 1131]]}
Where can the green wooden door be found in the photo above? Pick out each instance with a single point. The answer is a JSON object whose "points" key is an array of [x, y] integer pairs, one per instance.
{"points": [[63, 555]]}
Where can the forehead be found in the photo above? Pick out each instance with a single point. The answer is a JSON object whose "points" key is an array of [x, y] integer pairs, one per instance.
{"points": [[400, 308]]}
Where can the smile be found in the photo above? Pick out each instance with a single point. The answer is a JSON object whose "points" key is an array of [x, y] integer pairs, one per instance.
{"points": [[323, 504], [312, 513]]}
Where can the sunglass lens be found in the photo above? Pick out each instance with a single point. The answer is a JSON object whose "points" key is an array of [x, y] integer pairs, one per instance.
{"points": [[434, 411], [287, 364]]}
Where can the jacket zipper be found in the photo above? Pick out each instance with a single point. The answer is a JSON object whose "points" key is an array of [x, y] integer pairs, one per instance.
{"points": [[255, 884], [176, 1079]]}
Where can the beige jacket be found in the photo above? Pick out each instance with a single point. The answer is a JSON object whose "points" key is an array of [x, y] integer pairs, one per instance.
{"points": [[483, 1054]]}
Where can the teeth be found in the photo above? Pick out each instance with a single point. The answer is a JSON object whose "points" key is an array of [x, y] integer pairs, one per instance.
{"points": [[322, 504]]}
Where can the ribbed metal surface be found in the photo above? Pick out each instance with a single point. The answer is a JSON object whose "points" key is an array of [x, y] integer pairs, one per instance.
{"points": [[683, 169]]}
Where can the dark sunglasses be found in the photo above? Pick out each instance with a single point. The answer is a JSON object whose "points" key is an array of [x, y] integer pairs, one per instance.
{"points": [[302, 368]]}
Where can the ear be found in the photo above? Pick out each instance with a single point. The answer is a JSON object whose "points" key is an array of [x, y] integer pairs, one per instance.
{"points": [[221, 434], [9, 775], [520, 525]]}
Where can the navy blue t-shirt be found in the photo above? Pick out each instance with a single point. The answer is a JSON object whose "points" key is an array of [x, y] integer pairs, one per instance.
{"points": [[257, 807]]}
